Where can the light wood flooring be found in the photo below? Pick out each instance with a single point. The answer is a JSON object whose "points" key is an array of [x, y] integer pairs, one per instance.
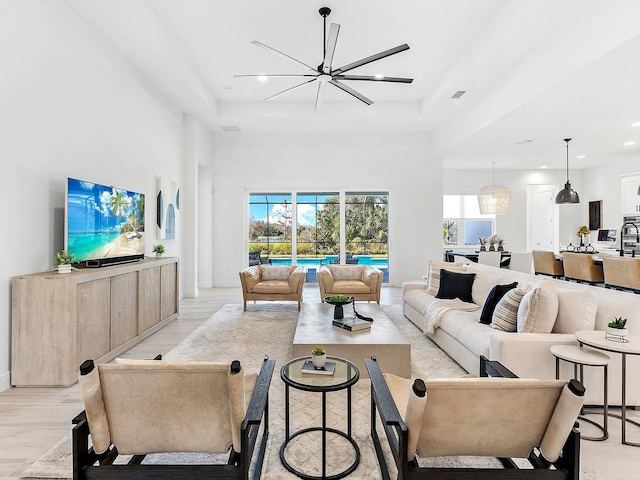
{"points": [[32, 420]]}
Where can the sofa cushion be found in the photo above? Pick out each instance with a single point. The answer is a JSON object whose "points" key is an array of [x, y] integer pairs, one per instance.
{"points": [[465, 328], [280, 272], [576, 311], [505, 315], [455, 285], [345, 272], [495, 295], [434, 273], [272, 286], [538, 309], [419, 299]]}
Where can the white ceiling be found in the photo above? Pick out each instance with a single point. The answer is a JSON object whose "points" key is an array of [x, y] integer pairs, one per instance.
{"points": [[538, 70]]}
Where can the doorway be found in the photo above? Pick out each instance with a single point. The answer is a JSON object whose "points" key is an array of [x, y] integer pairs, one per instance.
{"points": [[542, 218]]}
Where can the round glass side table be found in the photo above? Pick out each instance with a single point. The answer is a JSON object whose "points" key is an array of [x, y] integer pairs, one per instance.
{"points": [[580, 357], [344, 376]]}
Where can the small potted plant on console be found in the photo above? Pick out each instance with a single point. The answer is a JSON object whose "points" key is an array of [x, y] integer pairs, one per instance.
{"points": [[158, 250], [617, 329], [318, 356], [63, 261]]}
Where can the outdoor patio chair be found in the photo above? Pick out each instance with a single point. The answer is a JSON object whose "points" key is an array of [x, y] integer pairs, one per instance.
{"points": [[138, 407], [505, 418]]}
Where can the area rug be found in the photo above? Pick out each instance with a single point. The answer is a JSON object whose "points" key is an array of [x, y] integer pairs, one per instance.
{"points": [[269, 329]]}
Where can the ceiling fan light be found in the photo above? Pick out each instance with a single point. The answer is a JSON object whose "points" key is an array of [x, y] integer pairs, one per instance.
{"points": [[494, 199]]}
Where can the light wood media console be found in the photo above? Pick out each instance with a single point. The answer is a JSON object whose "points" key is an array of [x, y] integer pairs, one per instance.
{"points": [[60, 320]]}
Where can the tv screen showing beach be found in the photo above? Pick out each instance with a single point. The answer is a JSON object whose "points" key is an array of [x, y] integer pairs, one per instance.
{"points": [[103, 221]]}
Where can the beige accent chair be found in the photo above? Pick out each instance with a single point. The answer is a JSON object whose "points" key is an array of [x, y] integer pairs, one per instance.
{"points": [[488, 417], [362, 282], [138, 407], [621, 273], [273, 283], [546, 263], [581, 267]]}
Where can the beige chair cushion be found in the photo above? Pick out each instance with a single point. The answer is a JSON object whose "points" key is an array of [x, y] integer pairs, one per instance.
{"points": [[279, 272], [346, 272], [272, 286], [538, 309], [350, 286], [157, 406]]}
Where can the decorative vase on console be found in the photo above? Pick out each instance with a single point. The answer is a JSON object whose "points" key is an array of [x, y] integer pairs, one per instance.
{"points": [[483, 241]]}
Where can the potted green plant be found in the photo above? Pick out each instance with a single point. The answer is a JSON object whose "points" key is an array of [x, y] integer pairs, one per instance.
{"points": [[318, 356], [63, 261], [583, 231], [617, 327], [158, 250]]}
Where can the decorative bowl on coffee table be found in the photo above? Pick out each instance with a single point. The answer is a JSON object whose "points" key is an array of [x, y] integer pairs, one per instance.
{"points": [[338, 301]]}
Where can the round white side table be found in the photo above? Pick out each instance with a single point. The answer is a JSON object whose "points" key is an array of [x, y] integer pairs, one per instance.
{"points": [[580, 357]]}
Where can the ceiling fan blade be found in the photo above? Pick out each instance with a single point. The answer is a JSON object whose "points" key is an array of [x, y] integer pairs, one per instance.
{"points": [[372, 78], [260, 44], [351, 91], [290, 88], [320, 94], [275, 75], [330, 49], [372, 58]]}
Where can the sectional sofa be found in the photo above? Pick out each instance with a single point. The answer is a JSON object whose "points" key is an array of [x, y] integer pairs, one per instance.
{"points": [[578, 306]]}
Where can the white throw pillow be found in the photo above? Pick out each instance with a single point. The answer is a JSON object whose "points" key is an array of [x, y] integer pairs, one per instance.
{"points": [[576, 311], [482, 285], [280, 272], [505, 315], [434, 273], [539, 309], [346, 272]]}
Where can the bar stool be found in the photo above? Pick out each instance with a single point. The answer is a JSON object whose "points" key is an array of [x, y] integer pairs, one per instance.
{"points": [[579, 356]]}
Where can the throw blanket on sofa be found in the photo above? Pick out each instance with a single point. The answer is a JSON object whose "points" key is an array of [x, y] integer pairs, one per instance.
{"points": [[439, 307]]}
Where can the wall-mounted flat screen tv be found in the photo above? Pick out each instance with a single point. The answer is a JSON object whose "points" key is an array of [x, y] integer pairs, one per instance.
{"points": [[103, 224]]}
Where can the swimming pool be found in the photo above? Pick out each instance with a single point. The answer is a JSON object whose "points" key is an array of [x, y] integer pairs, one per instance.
{"points": [[308, 262]]}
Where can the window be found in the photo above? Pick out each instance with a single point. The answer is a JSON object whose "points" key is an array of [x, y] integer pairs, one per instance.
{"points": [[305, 228], [318, 223], [270, 223], [463, 223]]}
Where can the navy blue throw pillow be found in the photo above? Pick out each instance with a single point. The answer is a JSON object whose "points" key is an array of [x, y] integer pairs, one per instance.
{"points": [[492, 300], [456, 285]]}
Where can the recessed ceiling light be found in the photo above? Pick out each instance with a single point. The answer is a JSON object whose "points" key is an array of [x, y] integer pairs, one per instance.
{"points": [[262, 78], [626, 144], [379, 76], [544, 166], [636, 124], [581, 156]]}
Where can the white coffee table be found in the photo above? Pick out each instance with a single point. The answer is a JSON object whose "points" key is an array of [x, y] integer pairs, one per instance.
{"points": [[383, 340]]}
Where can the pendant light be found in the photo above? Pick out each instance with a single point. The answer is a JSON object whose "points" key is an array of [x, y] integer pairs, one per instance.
{"points": [[567, 194], [494, 198]]}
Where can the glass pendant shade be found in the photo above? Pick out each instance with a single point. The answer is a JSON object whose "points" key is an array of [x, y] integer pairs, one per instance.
{"points": [[494, 199], [567, 194]]}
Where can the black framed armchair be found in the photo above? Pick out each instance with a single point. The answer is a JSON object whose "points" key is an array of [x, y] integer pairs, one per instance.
{"points": [[506, 418], [138, 407]]}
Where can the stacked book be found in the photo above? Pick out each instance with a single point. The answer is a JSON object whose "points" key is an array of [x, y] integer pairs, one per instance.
{"points": [[352, 324]]}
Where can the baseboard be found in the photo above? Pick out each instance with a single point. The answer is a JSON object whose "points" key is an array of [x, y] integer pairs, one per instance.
{"points": [[5, 381]]}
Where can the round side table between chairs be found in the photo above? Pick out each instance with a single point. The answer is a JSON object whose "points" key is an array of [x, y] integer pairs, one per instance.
{"points": [[580, 357]]}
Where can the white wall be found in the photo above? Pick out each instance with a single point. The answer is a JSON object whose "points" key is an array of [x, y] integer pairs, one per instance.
{"points": [[603, 183], [400, 164], [513, 225], [69, 108]]}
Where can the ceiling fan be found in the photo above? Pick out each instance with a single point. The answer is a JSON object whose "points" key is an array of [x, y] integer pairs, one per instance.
{"points": [[325, 73]]}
